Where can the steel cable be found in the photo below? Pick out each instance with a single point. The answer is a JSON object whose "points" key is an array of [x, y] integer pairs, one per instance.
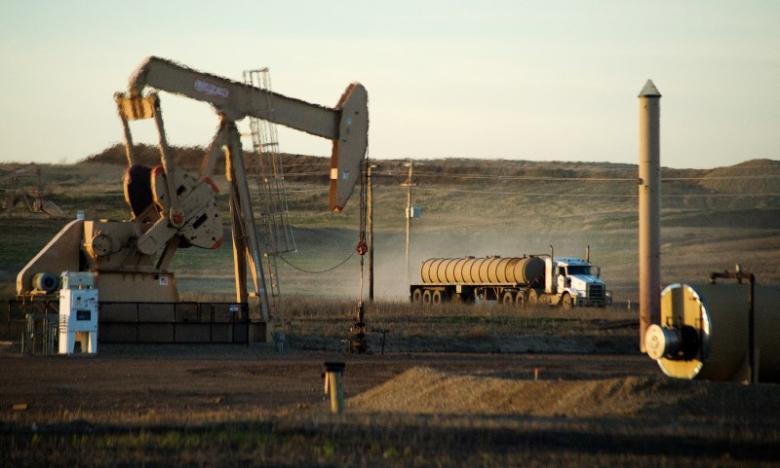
{"points": [[317, 272]]}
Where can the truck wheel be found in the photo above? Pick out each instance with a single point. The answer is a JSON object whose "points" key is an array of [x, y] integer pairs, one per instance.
{"points": [[567, 302], [520, 300], [436, 298], [417, 295], [426, 297], [507, 299], [533, 297]]}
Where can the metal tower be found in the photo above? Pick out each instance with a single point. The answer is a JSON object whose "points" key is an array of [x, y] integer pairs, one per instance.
{"points": [[269, 171]]}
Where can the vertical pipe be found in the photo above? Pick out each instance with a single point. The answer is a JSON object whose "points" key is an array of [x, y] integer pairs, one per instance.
{"points": [[753, 350], [649, 209], [370, 221], [334, 386], [408, 184]]}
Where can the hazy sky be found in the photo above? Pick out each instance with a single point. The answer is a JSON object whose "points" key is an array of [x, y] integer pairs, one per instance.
{"points": [[542, 80]]}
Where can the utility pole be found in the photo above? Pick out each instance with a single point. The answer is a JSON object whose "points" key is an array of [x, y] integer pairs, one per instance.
{"points": [[408, 184], [370, 222]]}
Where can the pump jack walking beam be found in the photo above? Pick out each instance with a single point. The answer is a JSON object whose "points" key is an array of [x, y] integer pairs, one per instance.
{"points": [[346, 125]]}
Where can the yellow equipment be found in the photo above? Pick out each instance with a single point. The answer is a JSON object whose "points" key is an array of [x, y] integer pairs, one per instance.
{"points": [[704, 332], [172, 208]]}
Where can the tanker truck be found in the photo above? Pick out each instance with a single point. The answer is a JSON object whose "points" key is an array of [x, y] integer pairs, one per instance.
{"points": [[533, 279]]}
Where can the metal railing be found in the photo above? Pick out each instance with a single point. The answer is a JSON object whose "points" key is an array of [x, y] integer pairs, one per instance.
{"points": [[145, 322]]}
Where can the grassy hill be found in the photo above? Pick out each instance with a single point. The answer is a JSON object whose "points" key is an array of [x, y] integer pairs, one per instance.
{"points": [[711, 218]]}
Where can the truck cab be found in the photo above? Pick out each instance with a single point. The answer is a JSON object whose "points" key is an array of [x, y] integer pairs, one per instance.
{"points": [[574, 282]]}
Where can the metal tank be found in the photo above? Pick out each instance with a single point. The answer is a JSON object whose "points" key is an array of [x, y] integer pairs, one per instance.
{"points": [[483, 270], [703, 332]]}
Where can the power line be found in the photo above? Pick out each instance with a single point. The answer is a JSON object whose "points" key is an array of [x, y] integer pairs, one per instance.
{"points": [[548, 178], [317, 272], [564, 195], [736, 177], [590, 195], [584, 179]]}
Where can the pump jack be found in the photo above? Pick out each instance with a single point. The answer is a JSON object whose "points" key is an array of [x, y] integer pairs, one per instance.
{"points": [[172, 208]]}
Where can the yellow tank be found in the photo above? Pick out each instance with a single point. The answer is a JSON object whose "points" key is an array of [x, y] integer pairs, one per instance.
{"points": [[703, 332], [483, 270]]}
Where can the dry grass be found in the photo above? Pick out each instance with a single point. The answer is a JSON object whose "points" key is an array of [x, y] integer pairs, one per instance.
{"points": [[316, 324], [424, 418], [701, 233]]}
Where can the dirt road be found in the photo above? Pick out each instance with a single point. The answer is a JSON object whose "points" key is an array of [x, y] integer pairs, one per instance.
{"points": [[175, 383]]}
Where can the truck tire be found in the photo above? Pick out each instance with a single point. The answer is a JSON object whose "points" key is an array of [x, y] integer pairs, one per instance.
{"points": [[533, 297], [520, 300], [426, 297], [436, 298], [508, 298], [567, 302], [417, 295]]}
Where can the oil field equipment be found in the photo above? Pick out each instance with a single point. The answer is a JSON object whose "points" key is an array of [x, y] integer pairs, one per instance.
{"points": [[718, 331], [171, 208], [334, 385], [277, 230], [649, 187], [17, 201], [356, 342], [78, 324], [715, 331], [39, 329], [535, 279]]}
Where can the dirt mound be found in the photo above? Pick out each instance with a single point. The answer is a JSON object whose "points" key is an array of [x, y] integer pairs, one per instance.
{"points": [[734, 179], [427, 391], [188, 157], [297, 166]]}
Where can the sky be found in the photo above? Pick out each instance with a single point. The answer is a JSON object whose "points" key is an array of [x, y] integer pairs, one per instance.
{"points": [[538, 80]]}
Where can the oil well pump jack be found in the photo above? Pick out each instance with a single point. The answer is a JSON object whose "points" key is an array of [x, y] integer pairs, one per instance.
{"points": [[172, 208]]}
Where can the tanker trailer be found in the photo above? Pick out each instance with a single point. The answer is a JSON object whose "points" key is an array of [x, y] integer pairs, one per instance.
{"points": [[530, 279]]}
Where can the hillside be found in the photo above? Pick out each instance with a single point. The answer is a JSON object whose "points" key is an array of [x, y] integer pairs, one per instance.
{"points": [[306, 167], [741, 178], [711, 218]]}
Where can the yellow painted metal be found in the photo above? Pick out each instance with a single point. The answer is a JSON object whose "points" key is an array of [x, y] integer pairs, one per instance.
{"points": [[334, 386], [492, 268], [441, 270], [449, 271], [60, 254], [476, 269], [458, 270], [466, 272], [649, 208], [136, 107], [483, 270], [719, 315], [501, 270], [137, 287], [425, 272]]}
